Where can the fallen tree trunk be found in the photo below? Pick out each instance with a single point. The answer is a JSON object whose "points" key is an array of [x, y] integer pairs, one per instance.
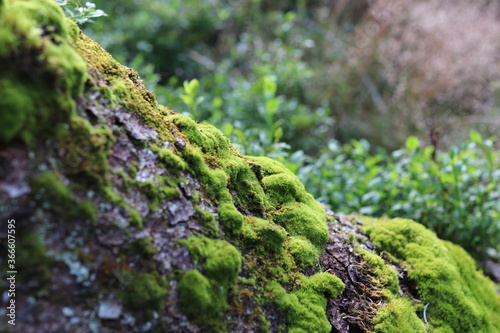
{"points": [[128, 217]]}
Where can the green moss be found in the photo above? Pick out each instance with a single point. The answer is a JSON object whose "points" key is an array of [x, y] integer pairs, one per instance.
{"points": [[230, 218], [305, 309], [303, 251], [302, 220], [197, 298], [385, 276], [145, 291], [44, 11], [158, 193], [215, 181], [271, 237], [217, 140], [49, 188], [42, 71], [398, 315], [145, 246], [246, 184], [296, 210], [220, 260], [32, 260], [207, 220], [171, 160], [111, 196], [85, 150], [135, 218], [73, 31], [208, 138], [203, 296], [460, 298]]}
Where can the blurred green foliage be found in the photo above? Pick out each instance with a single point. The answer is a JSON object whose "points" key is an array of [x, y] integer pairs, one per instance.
{"points": [[279, 79], [248, 56], [457, 194], [80, 13]]}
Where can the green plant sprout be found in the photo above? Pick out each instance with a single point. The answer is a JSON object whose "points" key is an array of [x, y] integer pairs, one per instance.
{"points": [[81, 13], [191, 98]]}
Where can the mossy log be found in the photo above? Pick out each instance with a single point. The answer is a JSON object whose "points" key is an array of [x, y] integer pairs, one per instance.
{"points": [[130, 217]]}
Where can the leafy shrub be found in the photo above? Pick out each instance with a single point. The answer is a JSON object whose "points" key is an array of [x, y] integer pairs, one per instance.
{"points": [[80, 13], [456, 194]]}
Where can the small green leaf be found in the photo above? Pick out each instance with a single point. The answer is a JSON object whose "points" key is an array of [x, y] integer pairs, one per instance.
{"points": [[475, 136], [191, 87], [217, 102], [269, 86], [278, 134], [272, 105], [412, 143], [187, 99]]}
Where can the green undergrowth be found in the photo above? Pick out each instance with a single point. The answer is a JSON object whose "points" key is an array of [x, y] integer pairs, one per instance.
{"points": [[458, 296]]}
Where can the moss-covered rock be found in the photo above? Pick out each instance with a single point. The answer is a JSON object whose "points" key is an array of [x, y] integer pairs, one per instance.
{"points": [[143, 220], [458, 297]]}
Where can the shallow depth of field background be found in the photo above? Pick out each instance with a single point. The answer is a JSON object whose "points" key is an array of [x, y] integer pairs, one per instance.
{"points": [[380, 107]]}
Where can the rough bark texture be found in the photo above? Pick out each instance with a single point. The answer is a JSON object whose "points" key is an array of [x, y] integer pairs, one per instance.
{"points": [[132, 218]]}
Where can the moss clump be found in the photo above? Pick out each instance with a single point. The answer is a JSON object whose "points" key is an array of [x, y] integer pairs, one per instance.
{"points": [[135, 218], [85, 150], [305, 308], [220, 260], [208, 138], [145, 291], [245, 183], [49, 188], [203, 295], [384, 275], [215, 181], [460, 298], [158, 193], [197, 298], [271, 237], [301, 220], [295, 209], [303, 251], [230, 218], [41, 71], [145, 246], [32, 260], [397, 314], [171, 160]]}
